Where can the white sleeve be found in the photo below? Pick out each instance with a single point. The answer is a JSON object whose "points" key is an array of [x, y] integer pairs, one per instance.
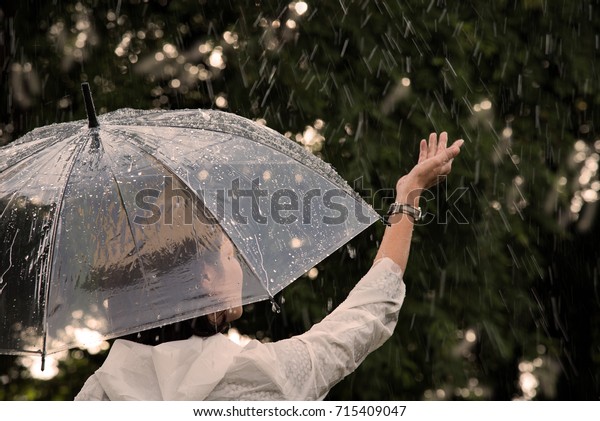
{"points": [[306, 366]]}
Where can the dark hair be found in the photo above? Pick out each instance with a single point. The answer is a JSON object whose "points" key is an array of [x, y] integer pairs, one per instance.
{"points": [[206, 253], [199, 326]]}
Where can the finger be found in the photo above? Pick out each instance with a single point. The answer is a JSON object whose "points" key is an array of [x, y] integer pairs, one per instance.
{"points": [[435, 163], [422, 150], [432, 145], [443, 142], [452, 152], [458, 144]]}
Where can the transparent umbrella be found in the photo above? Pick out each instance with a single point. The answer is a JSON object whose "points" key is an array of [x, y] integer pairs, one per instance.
{"points": [[107, 225]]}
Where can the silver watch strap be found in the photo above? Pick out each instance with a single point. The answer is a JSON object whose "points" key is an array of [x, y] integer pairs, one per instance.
{"points": [[405, 208]]}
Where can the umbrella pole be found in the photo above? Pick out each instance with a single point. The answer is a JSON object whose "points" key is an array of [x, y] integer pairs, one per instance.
{"points": [[89, 105], [44, 354]]}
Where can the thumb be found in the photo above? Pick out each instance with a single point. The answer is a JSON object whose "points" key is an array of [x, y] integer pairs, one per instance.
{"points": [[453, 151]]}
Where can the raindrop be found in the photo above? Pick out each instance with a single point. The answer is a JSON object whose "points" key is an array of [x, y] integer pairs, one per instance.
{"points": [[351, 251]]}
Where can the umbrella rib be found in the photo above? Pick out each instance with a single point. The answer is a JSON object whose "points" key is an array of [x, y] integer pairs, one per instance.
{"points": [[131, 230], [50, 255], [262, 266]]}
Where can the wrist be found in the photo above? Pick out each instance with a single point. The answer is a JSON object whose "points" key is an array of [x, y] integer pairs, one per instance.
{"points": [[408, 190], [408, 195]]}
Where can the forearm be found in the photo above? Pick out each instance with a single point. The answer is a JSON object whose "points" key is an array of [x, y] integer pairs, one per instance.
{"points": [[396, 240], [435, 161]]}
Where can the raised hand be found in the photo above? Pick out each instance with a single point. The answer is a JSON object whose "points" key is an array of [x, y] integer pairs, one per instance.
{"points": [[435, 162]]}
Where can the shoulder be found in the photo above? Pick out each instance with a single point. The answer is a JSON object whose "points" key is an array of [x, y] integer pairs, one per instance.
{"points": [[92, 390]]}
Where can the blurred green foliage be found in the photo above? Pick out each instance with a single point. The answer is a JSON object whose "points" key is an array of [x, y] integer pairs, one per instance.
{"points": [[503, 282]]}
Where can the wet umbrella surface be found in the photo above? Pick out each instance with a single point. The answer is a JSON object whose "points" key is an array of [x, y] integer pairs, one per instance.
{"points": [[109, 229]]}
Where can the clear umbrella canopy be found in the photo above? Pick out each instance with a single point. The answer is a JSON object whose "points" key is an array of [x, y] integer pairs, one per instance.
{"points": [[110, 230]]}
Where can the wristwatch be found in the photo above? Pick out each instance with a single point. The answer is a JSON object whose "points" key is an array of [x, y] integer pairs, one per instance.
{"points": [[405, 208]]}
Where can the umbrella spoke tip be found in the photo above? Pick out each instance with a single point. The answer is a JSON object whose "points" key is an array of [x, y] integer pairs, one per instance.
{"points": [[89, 105]]}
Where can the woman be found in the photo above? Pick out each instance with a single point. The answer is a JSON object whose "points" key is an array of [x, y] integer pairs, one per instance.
{"points": [[304, 367]]}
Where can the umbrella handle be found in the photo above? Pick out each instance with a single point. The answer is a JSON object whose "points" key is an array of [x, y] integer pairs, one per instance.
{"points": [[89, 105]]}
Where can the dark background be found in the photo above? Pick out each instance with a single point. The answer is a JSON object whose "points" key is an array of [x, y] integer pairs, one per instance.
{"points": [[503, 293]]}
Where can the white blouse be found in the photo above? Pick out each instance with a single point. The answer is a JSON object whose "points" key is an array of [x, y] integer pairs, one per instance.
{"points": [[304, 367]]}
